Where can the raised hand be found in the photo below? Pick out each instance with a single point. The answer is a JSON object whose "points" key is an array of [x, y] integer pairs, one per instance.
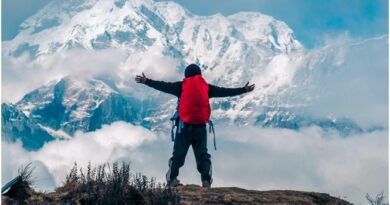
{"points": [[140, 79], [249, 88]]}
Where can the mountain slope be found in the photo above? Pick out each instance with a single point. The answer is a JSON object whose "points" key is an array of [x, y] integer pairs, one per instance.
{"points": [[132, 25], [15, 125], [231, 50], [160, 39], [76, 104]]}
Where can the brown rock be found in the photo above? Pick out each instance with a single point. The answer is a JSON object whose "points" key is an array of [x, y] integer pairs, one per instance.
{"points": [[194, 194]]}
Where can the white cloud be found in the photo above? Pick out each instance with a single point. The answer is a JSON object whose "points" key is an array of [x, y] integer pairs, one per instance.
{"points": [[14, 157], [250, 157], [309, 159], [108, 144], [278, 74], [346, 78], [153, 64], [21, 75]]}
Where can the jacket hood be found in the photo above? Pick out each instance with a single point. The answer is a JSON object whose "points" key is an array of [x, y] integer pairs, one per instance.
{"points": [[192, 70]]}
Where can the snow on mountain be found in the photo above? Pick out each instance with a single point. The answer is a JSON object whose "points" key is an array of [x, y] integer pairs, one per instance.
{"points": [[77, 95], [75, 104], [15, 125], [254, 25], [88, 24], [231, 50], [246, 40], [160, 39], [95, 24]]}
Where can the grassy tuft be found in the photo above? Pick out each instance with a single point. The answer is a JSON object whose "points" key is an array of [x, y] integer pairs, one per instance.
{"points": [[22, 190], [113, 184]]}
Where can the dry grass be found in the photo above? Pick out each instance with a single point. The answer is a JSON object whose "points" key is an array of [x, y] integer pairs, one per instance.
{"points": [[21, 190], [104, 184], [378, 200], [114, 184]]}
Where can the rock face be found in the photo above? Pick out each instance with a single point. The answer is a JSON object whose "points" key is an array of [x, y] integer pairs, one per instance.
{"points": [[16, 125], [59, 109], [193, 194], [73, 104]]}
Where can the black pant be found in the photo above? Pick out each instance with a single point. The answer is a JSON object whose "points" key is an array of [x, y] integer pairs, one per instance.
{"points": [[195, 135]]}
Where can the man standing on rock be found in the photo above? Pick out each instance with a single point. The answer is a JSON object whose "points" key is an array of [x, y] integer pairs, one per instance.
{"points": [[193, 114]]}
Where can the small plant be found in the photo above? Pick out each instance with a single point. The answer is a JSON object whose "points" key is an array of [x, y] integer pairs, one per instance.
{"points": [[378, 200], [25, 172], [21, 189], [103, 184], [114, 184]]}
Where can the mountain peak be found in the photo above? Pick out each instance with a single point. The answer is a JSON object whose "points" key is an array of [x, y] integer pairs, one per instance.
{"points": [[71, 90], [137, 25], [257, 26], [75, 103], [172, 12]]}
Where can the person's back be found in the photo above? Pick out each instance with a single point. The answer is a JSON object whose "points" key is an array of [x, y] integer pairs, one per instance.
{"points": [[194, 112], [194, 106]]}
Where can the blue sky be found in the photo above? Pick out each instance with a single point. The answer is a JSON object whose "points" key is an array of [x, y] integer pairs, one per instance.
{"points": [[311, 20]]}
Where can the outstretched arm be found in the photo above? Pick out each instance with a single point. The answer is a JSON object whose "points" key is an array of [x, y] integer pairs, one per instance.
{"points": [[215, 91], [167, 87]]}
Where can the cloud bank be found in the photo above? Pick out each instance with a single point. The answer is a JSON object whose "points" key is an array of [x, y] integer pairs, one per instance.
{"points": [[250, 157], [345, 79], [310, 159], [21, 75], [108, 144]]}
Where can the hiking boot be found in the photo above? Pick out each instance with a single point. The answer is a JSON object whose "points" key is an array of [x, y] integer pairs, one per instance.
{"points": [[174, 183], [206, 184]]}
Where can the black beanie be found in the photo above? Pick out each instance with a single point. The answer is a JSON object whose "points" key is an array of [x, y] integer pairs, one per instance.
{"points": [[192, 70]]}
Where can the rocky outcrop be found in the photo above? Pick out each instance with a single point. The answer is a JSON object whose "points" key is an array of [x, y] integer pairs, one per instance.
{"points": [[193, 194], [196, 195]]}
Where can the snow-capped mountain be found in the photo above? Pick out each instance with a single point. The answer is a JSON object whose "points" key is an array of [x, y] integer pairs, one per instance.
{"points": [[137, 24], [160, 39], [76, 104], [236, 46], [231, 50]]}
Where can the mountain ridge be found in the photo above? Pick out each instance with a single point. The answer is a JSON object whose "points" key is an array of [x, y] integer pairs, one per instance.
{"points": [[231, 50]]}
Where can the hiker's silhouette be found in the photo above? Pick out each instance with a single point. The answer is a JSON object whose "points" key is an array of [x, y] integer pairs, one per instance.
{"points": [[193, 114]]}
